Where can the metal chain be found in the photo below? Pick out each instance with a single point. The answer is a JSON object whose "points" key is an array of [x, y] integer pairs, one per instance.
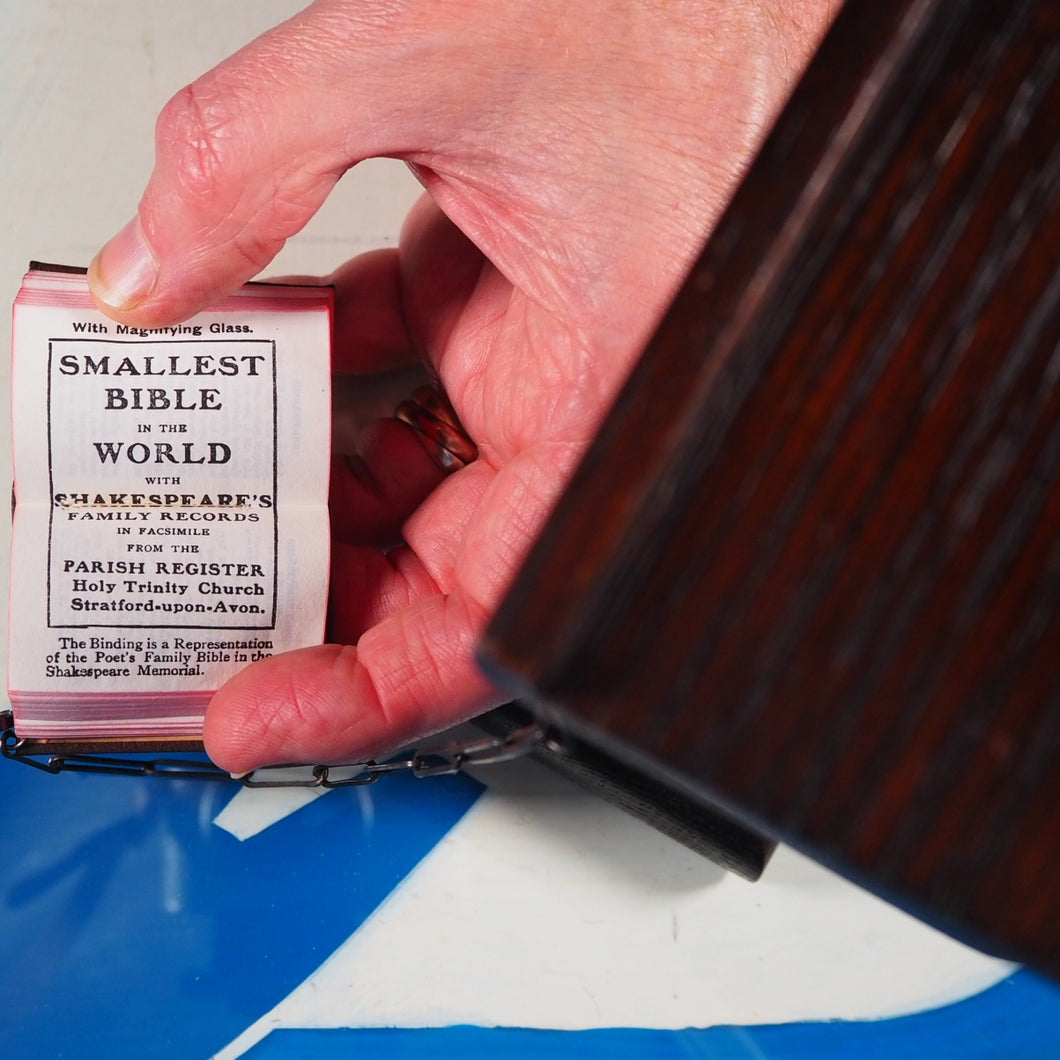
{"points": [[441, 760]]}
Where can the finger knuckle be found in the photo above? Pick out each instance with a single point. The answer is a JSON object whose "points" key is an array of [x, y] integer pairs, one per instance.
{"points": [[197, 138]]}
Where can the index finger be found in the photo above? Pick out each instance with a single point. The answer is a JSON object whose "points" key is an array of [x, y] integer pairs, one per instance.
{"points": [[246, 155]]}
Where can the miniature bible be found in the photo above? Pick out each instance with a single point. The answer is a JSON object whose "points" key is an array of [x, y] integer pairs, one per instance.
{"points": [[170, 508]]}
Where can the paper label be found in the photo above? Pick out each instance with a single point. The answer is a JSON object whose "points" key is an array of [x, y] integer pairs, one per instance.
{"points": [[171, 523]]}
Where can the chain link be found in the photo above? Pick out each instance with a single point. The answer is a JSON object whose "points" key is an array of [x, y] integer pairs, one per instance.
{"points": [[441, 760]]}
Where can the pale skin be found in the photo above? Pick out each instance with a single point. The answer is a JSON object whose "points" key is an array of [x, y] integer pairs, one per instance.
{"points": [[575, 158]]}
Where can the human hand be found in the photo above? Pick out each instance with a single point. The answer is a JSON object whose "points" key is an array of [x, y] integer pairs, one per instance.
{"points": [[575, 158]]}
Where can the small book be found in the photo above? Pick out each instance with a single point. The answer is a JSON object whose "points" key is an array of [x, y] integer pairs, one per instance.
{"points": [[170, 505]]}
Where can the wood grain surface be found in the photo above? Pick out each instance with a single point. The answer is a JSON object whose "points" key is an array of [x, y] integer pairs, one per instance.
{"points": [[810, 569]]}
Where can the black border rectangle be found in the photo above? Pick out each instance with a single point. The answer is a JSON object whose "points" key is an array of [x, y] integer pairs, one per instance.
{"points": [[275, 479]]}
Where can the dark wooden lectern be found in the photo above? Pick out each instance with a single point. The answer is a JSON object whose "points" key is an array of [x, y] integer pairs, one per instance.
{"points": [[810, 570]]}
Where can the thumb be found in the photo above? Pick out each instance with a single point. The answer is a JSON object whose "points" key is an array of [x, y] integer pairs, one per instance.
{"points": [[247, 154]]}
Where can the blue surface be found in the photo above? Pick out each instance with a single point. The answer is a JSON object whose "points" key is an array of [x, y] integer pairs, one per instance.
{"points": [[130, 926], [1016, 1018]]}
